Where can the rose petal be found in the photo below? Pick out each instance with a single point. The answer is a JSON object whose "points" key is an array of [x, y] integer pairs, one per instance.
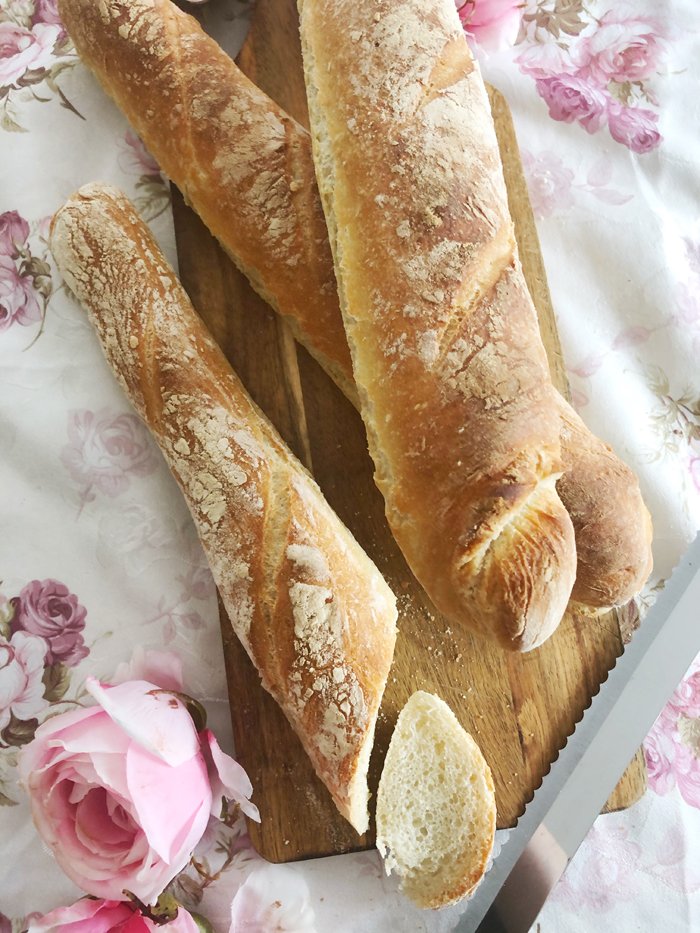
{"points": [[158, 721], [272, 898], [85, 916], [96, 828], [34, 756], [227, 778], [96, 872], [163, 668], [31, 649], [166, 797]]}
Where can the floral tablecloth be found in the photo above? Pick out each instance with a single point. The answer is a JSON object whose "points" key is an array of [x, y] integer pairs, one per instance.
{"points": [[99, 560]]}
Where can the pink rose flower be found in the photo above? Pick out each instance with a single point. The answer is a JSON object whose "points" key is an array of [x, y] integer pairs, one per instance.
{"points": [[22, 49], [106, 450], [197, 582], [272, 898], [549, 182], [545, 59], [18, 299], [493, 24], [99, 916], [121, 792], [660, 753], [5, 924], [571, 98], [48, 609], [21, 670], [622, 48], [605, 872], [687, 772], [686, 697], [14, 231], [634, 127], [46, 11]]}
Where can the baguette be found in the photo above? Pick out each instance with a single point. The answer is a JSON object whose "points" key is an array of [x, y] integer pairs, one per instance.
{"points": [[239, 160], [461, 415], [310, 608], [436, 806], [611, 524]]}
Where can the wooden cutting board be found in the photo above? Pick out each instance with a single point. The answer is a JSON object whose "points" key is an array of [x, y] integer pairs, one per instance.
{"points": [[519, 708]]}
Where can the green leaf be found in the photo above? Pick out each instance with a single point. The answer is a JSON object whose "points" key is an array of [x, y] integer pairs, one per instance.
{"points": [[7, 123], [623, 92], [196, 711], [202, 923], [6, 801], [32, 76], [19, 731], [56, 681], [192, 890]]}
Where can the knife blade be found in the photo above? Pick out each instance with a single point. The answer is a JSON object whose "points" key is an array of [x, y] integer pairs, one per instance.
{"points": [[582, 778]]}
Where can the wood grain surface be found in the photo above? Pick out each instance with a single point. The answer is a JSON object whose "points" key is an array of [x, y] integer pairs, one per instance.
{"points": [[519, 708]]}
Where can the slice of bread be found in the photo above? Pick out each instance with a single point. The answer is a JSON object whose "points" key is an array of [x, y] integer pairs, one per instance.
{"points": [[436, 809]]}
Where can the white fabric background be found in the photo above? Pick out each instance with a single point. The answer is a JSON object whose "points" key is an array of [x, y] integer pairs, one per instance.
{"points": [[623, 287]]}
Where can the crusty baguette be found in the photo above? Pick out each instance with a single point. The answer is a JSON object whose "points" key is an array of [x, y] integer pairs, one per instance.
{"points": [[239, 160], [436, 807], [461, 415], [310, 608], [611, 524]]}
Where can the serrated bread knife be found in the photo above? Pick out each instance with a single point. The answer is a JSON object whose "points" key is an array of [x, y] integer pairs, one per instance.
{"points": [[582, 778]]}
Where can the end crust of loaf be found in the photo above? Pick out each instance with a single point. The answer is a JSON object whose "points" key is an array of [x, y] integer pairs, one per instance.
{"points": [[436, 809], [308, 605], [613, 526]]}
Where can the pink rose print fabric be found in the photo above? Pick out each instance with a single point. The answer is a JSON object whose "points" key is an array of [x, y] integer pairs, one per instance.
{"points": [[34, 50], [25, 276], [46, 11], [595, 70], [606, 875], [555, 187], [152, 192], [47, 608], [41, 638], [14, 231], [672, 749], [21, 685], [18, 299], [105, 451], [22, 49], [623, 47]]}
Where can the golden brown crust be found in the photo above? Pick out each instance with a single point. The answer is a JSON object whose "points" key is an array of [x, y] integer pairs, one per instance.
{"points": [[240, 161], [455, 392], [613, 526], [310, 608]]}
